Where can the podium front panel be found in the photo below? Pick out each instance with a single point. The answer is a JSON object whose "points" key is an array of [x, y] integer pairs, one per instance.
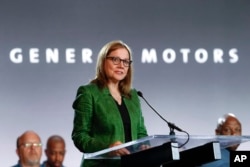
{"points": [[157, 140]]}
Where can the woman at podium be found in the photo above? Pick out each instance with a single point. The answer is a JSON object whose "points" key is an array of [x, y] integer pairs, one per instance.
{"points": [[107, 110]]}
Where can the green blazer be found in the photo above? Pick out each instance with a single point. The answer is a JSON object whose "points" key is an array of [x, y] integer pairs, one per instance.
{"points": [[97, 120]]}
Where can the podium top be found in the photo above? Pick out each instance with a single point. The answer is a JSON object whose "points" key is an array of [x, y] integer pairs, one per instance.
{"points": [[156, 140]]}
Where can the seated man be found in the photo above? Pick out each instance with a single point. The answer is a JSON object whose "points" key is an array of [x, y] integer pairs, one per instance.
{"points": [[55, 152], [29, 150], [227, 125]]}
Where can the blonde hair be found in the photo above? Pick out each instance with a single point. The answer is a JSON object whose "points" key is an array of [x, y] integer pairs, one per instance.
{"points": [[101, 78]]}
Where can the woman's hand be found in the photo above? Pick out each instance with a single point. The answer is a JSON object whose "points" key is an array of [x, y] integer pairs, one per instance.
{"points": [[119, 152], [144, 147]]}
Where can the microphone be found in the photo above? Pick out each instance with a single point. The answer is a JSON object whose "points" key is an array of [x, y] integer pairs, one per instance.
{"points": [[170, 125]]}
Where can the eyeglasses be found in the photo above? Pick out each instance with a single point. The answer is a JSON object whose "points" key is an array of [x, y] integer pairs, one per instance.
{"points": [[117, 60], [28, 145]]}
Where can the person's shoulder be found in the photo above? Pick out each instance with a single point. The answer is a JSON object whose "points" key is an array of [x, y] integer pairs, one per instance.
{"points": [[89, 86], [224, 161], [43, 164], [134, 92]]}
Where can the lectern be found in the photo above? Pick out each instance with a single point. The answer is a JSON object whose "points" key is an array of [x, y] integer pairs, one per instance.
{"points": [[165, 150]]}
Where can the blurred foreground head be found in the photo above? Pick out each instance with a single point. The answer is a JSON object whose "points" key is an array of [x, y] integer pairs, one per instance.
{"points": [[229, 124], [29, 149], [55, 151]]}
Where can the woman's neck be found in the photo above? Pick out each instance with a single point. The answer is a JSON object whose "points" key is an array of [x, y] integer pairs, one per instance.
{"points": [[114, 91]]}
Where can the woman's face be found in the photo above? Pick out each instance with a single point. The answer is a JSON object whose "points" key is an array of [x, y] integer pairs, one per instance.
{"points": [[114, 65]]}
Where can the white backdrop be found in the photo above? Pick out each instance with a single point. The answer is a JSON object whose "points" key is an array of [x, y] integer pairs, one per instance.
{"points": [[191, 61]]}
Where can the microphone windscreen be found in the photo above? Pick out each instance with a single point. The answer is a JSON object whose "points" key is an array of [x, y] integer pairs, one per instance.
{"points": [[139, 93]]}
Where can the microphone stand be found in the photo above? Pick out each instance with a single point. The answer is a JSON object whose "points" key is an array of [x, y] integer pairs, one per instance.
{"points": [[171, 126]]}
